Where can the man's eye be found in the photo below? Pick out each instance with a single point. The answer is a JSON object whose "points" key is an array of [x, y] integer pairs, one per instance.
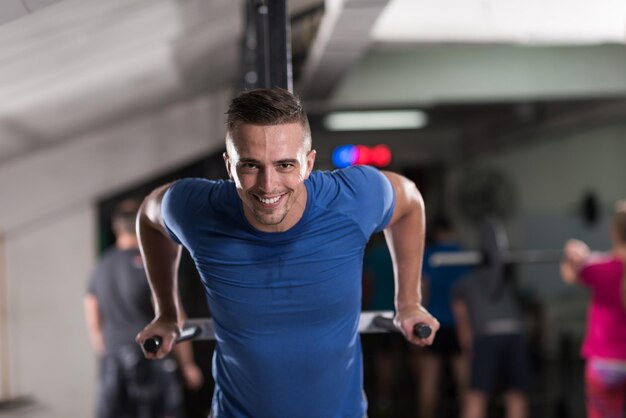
{"points": [[248, 166], [286, 166]]}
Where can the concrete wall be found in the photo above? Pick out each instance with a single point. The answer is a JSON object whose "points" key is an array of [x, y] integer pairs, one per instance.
{"points": [[48, 219], [50, 355]]}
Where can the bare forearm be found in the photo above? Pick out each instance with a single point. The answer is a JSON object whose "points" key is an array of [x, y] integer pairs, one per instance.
{"points": [[569, 272], [463, 325], [406, 241], [191, 374], [575, 254], [161, 257], [184, 353], [94, 323]]}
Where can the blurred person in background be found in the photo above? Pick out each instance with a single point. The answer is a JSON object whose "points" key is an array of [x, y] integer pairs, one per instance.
{"points": [[386, 348], [117, 306], [445, 352], [491, 330], [604, 345]]}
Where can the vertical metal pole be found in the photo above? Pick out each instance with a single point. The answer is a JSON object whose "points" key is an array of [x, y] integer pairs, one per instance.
{"points": [[267, 45], [280, 45], [263, 54], [5, 372]]}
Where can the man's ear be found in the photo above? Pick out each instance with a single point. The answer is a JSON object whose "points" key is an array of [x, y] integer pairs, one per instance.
{"points": [[310, 162], [227, 163]]}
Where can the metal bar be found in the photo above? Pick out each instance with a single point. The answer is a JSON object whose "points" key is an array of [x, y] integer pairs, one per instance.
{"points": [[477, 258], [368, 323], [263, 44], [459, 258], [279, 45], [266, 49], [532, 256], [5, 372], [250, 73], [204, 329]]}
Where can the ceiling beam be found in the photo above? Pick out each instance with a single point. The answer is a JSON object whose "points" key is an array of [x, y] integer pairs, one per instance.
{"points": [[342, 38]]}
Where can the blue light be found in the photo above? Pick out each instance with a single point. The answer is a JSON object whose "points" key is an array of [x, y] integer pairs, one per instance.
{"points": [[344, 156]]}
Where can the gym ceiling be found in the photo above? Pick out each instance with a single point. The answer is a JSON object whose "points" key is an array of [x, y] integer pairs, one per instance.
{"points": [[489, 74]]}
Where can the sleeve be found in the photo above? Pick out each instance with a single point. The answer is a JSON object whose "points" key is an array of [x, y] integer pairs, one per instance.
{"points": [[594, 269], [180, 208], [372, 194], [586, 275]]}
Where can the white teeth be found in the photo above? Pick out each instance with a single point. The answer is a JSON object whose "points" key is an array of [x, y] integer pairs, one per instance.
{"points": [[269, 201]]}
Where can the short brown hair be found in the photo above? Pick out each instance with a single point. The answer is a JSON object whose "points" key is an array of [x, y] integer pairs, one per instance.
{"points": [[265, 107], [124, 216]]}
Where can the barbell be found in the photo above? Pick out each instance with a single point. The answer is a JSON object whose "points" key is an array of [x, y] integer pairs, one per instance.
{"points": [[494, 254]]}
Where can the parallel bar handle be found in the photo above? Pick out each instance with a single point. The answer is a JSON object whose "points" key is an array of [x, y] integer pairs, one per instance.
{"points": [[152, 345], [420, 330]]}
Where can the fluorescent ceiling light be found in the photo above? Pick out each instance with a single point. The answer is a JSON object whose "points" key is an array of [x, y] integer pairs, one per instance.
{"points": [[561, 22], [375, 120]]}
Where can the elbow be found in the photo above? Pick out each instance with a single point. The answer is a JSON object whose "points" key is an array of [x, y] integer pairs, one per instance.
{"points": [[413, 195]]}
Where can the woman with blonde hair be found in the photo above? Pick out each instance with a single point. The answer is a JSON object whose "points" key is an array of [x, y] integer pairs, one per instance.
{"points": [[604, 345]]}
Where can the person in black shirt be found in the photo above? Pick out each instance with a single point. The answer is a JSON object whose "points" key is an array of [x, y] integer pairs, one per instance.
{"points": [[117, 306]]}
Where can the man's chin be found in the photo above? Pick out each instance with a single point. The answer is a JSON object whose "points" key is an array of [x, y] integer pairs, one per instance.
{"points": [[269, 220]]}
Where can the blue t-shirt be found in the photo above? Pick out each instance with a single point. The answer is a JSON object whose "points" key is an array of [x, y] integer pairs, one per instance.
{"points": [[285, 305]]}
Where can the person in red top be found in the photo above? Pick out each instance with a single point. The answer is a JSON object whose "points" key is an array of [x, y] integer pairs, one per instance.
{"points": [[604, 346]]}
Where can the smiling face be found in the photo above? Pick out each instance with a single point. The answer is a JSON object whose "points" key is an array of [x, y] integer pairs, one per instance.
{"points": [[269, 165]]}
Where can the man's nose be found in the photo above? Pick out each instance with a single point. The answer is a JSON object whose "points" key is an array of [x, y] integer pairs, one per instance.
{"points": [[266, 180]]}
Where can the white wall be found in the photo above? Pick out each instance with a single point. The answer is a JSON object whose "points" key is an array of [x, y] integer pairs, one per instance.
{"points": [[48, 218], [550, 174], [50, 355], [430, 74]]}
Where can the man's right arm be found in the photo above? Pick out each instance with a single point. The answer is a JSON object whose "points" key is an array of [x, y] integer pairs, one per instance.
{"points": [[161, 257], [94, 322], [463, 325]]}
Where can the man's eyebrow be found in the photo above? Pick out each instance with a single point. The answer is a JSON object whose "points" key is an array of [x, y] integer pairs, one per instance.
{"points": [[248, 160], [282, 161]]}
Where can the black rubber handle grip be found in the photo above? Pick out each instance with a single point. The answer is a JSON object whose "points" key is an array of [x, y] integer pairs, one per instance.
{"points": [[152, 345], [420, 330]]}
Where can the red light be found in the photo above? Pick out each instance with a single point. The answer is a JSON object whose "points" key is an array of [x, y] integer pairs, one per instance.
{"points": [[363, 155], [380, 156]]}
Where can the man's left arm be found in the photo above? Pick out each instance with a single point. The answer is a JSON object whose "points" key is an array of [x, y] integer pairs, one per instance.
{"points": [[191, 374], [405, 236]]}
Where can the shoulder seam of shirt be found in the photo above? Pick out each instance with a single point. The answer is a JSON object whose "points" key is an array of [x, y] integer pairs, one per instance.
{"points": [[344, 215]]}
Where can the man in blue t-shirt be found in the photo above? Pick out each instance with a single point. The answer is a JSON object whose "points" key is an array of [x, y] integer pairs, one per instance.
{"points": [[279, 249]]}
